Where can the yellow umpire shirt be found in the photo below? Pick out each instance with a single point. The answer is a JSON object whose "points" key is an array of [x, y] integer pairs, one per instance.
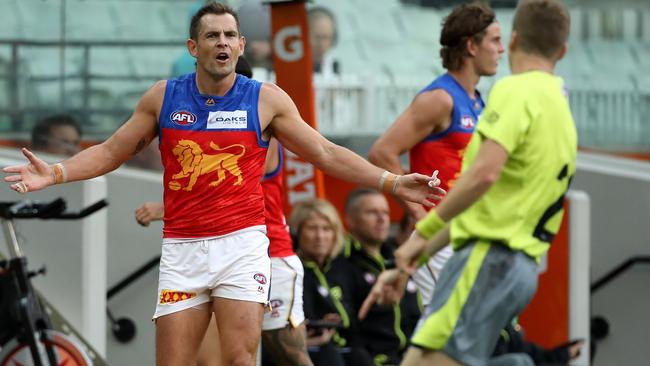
{"points": [[527, 114]]}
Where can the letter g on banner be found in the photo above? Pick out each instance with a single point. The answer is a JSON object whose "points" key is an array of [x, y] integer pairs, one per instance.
{"points": [[288, 43]]}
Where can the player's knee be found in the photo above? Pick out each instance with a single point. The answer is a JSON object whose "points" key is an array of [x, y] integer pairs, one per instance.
{"points": [[240, 358], [243, 361]]}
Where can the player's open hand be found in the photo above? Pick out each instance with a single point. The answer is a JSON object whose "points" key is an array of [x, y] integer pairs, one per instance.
{"points": [[419, 188], [388, 290], [30, 177], [148, 212]]}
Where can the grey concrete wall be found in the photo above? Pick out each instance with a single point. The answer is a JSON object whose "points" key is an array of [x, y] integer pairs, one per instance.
{"points": [[619, 190], [72, 251], [129, 247], [57, 244]]}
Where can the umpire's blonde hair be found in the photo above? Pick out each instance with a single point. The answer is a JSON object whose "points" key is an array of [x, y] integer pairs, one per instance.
{"points": [[306, 209]]}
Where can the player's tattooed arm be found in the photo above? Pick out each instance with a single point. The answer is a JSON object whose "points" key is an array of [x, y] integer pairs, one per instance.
{"points": [[141, 144], [145, 141]]}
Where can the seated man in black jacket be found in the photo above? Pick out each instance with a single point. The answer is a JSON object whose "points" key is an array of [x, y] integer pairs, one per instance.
{"points": [[386, 329]]}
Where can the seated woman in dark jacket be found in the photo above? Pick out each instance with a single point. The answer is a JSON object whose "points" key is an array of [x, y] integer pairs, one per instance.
{"points": [[318, 233]]}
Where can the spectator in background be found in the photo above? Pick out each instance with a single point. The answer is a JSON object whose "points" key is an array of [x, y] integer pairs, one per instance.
{"points": [[323, 36], [255, 23], [404, 229], [318, 233], [386, 328], [186, 63], [319, 237], [58, 134]]}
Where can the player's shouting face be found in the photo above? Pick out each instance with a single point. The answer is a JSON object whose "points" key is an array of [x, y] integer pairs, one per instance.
{"points": [[218, 45]]}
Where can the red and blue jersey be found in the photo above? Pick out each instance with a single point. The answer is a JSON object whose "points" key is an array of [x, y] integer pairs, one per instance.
{"points": [[213, 154], [276, 224], [444, 151]]}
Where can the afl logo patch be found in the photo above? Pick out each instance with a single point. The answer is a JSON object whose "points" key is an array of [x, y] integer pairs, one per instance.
{"points": [[183, 118], [276, 303], [467, 122], [260, 278]]}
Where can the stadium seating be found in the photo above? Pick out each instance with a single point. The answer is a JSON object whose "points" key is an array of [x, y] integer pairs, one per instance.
{"points": [[381, 49]]}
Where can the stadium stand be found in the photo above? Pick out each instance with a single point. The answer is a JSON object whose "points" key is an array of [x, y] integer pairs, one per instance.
{"points": [[383, 51]]}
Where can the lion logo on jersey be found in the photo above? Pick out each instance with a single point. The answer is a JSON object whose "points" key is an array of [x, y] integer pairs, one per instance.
{"points": [[195, 163]]}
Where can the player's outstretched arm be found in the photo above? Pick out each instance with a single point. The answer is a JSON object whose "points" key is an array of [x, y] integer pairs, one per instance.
{"points": [[97, 160], [289, 128]]}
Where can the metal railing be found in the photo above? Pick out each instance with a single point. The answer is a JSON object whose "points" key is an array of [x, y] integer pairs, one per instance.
{"points": [[618, 271], [22, 88], [606, 119]]}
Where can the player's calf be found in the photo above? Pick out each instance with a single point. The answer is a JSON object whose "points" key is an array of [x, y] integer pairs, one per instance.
{"points": [[287, 346]]}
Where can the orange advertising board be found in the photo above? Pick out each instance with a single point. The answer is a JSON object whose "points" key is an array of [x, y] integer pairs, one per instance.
{"points": [[293, 70], [546, 318]]}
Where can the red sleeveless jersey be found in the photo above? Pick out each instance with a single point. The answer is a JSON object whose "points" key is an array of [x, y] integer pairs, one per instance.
{"points": [[444, 151], [444, 155], [213, 155], [276, 224]]}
